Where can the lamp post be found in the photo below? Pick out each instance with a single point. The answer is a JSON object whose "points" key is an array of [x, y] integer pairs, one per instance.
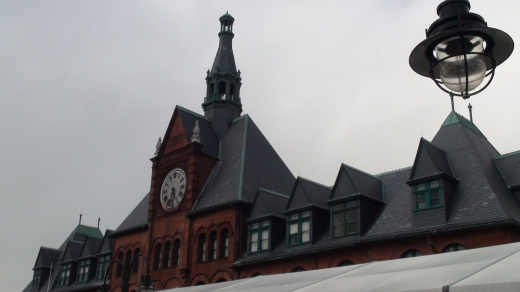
{"points": [[146, 284], [460, 50]]}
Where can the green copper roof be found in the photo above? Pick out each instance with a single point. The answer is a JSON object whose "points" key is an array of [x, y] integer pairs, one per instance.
{"points": [[507, 155], [456, 118], [89, 231]]}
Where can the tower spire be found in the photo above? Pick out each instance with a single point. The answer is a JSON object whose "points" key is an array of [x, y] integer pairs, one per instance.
{"points": [[222, 103]]}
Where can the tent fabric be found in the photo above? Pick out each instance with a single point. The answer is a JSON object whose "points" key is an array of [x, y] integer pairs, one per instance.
{"points": [[477, 270]]}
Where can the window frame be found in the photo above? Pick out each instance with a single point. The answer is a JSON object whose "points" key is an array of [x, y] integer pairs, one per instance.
{"points": [[202, 248], [258, 228], [37, 277], [344, 208], [64, 276], [83, 271], [299, 218], [224, 243], [102, 265], [425, 189]]}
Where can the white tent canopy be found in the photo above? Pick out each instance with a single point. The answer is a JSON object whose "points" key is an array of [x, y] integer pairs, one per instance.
{"points": [[485, 269]]}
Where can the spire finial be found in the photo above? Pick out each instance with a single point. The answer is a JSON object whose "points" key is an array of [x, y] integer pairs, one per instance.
{"points": [[470, 113], [452, 104], [196, 132], [158, 147], [98, 220], [80, 215]]}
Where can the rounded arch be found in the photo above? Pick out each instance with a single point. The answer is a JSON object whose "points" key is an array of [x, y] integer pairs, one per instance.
{"points": [[137, 259], [119, 267], [225, 225], [201, 230], [345, 263], [232, 91], [137, 245], [212, 244], [298, 269], [167, 254], [173, 282], [256, 275], [340, 256], [221, 275], [157, 256], [222, 89], [158, 285], [202, 246], [199, 278], [401, 247], [453, 247], [411, 253], [307, 263], [211, 88]]}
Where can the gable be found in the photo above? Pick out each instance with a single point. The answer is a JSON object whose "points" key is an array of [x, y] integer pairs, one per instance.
{"points": [[343, 186], [208, 137], [299, 198], [46, 257], [175, 136], [430, 161], [352, 182], [91, 247], [72, 251], [509, 166], [268, 203]]}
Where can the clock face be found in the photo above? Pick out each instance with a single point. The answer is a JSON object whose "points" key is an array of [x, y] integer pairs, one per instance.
{"points": [[173, 189]]}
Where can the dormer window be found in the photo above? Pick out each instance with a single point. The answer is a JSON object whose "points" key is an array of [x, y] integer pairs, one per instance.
{"points": [[103, 263], [64, 275], [345, 218], [299, 226], [36, 277], [427, 195], [83, 269], [259, 236]]}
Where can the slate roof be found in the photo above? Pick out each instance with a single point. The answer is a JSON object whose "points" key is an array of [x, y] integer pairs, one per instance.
{"points": [[509, 167], [430, 161], [247, 162], [268, 203], [307, 193], [481, 195], [137, 219], [207, 135], [83, 242], [351, 181]]}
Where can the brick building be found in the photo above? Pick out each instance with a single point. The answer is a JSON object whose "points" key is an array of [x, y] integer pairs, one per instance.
{"points": [[223, 205]]}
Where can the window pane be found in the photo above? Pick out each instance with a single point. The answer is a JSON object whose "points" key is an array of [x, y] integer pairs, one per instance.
{"points": [[306, 214], [254, 237], [265, 223], [434, 184], [254, 246], [434, 202], [352, 228], [421, 205], [419, 187], [306, 225], [352, 215], [305, 236], [294, 216], [339, 207], [339, 230], [293, 239], [434, 194], [254, 226], [339, 218], [265, 234], [265, 239], [420, 198], [352, 204], [293, 228]]}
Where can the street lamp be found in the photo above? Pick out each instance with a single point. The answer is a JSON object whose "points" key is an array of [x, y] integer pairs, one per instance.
{"points": [[146, 281], [460, 50]]}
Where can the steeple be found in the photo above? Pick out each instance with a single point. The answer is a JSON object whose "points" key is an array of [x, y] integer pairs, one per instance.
{"points": [[222, 102]]}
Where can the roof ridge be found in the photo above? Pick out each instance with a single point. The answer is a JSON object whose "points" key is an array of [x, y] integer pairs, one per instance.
{"points": [[507, 155], [363, 172], [192, 112], [239, 118], [242, 163], [455, 117], [394, 171], [274, 193], [313, 182]]}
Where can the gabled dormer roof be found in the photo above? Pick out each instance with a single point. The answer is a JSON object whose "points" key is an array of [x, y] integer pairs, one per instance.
{"points": [[47, 257], [90, 247], [430, 162], [509, 166], [107, 245], [72, 251], [268, 203], [247, 162], [352, 182], [307, 193]]}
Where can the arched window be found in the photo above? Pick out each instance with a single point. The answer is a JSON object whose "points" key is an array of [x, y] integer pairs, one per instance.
{"points": [[297, 269], [412, 253], [454, 247], [256, 275], [157, 256], [232, 92], [222, 90], [213, 246], [221, 280], [200, 283], [128, 259], [202, 248], [176, 252], [119, 270], [135, 267], [212, 88], [345, 263], [167, 255], [224, 243]]}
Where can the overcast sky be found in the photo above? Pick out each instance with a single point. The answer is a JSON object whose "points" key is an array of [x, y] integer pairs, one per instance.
{"points": [[87, 87]]}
